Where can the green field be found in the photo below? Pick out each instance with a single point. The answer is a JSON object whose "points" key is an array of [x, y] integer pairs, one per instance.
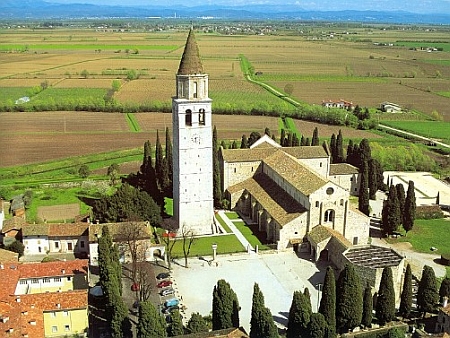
{"points": [[432, 129], [202, 246], [77, 46], [12, 93], [425, 44]]}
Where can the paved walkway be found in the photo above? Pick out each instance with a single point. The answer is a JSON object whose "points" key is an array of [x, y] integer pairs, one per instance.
{"points": [[236, 232]]}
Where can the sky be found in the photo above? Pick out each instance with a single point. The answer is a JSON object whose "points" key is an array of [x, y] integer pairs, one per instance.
{"points": [[416, 6]]}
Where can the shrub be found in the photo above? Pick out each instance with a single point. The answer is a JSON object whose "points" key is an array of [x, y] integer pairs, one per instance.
{"points": [[429, 212]]}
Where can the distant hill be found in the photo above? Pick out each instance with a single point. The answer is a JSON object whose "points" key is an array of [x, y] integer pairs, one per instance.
{"points": [[39, 9]]}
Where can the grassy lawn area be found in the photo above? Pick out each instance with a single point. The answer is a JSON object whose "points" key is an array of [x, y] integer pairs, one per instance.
{"points": [[232, 215], [202, 246], [248, 234], [428, 233], [223, 224], [168, 206]]}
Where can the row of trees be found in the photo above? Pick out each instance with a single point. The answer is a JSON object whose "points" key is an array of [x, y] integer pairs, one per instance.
{"points": [[399, 209]]}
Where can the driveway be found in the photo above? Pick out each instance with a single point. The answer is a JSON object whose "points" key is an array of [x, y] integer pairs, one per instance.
{"points": [[278, 276]]}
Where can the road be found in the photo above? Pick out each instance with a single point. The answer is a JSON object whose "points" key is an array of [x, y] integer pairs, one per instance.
{"points": [[415, 135]]}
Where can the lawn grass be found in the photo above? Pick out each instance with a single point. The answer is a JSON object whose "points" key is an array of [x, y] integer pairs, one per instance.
{"points": [[248, 234], [426, 234], [433, 129], [202, 246], [232, 215], [223, 224], [168, 206]]}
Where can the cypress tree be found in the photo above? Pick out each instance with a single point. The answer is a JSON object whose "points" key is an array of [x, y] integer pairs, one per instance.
{"points": [[367, 307], [169, 160], [409, 213], [147, 157], [444, 289], [165, 182], [349, 300], [315, 137], [282, 137], [373, 179], [244, 144], [176, 326], [299, 316], [197, 324], [303, 141], [407, 294], [318, 326], [225, 306], [328, 301], [295, 140], [385, 309], [391, 212], [307, 142], [427, 293], [217, 182], [289, 141], [401, 200], [261, 322], [267, 131], [234, 145], [333, 149], [151, 324], [340, 148], [350, 157], [363, 200], [158, 160], [365, 153], [307, 295]]}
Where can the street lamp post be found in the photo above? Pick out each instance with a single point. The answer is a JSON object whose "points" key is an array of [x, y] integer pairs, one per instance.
{"points": [[214, 247], [319, 285]]}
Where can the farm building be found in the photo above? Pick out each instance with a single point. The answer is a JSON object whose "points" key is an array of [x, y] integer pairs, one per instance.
{"points": [[342, 104], [289, 191], [389, 107]]}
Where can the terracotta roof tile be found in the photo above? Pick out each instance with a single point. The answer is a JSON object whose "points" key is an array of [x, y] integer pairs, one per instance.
{"points": [[13, 223], [57, 268], [68, 230], [76, 299], [8, 256], [306, 152], [95, 230], [9, 278], [35, 230], [320, 233], [279, 204], [343, 169], [303, 179], [247, 155]]}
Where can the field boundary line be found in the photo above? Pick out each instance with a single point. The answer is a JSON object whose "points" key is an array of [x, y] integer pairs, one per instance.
{"points": [[132, 122], [414, 135]]}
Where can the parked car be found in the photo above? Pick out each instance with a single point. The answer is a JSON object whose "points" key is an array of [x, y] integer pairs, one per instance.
{"points": [[135, 287], [167, 292], [163, 275], [171, 302], [164, 283]]}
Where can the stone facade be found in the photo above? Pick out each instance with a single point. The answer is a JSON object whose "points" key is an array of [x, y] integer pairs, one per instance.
{"points": [[289, 191]]}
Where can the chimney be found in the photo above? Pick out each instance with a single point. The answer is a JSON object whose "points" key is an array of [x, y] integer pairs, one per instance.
{"points": [[63, 271], [18, 299], [58, 305], [2, 267]]}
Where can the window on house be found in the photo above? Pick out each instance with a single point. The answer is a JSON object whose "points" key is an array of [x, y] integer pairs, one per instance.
{"points": [[53, 314], [35, 281], [54, 329], [342, 202], [69, 278], [317, 204], [321, 164], [23, 281], [234, 169], [57, 279], [329, 216], [351, 179], [188, 117], [66, 328], [56, 245], [195, 90], [65, 313], [46, 280], [355, 240], [201, 117]]}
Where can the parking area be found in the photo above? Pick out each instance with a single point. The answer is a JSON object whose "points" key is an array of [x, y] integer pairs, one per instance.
{"points": [[278, 276]]}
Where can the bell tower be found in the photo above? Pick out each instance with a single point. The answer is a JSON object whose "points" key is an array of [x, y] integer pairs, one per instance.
{"points": [[193, 206]]}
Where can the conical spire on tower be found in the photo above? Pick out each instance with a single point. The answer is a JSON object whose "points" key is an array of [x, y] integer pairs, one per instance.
{"points": [[190, 61]]}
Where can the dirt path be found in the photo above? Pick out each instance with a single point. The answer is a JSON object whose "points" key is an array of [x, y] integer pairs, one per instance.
{"points": [[417, 260]]}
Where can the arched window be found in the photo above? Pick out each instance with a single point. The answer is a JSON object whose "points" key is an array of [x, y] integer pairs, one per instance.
{"points": [[328, 216], [201, 117], [188, 117], [195, 90]]}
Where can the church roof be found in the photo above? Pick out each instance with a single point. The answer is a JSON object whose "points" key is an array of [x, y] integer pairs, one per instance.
{"points": [[306, 152], [343, 169], [320, 233], [277, 202], [190, 61], [302, 178]]}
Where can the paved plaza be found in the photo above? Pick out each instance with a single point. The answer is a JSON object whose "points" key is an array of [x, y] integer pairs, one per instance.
{"points": [[278, 276]]}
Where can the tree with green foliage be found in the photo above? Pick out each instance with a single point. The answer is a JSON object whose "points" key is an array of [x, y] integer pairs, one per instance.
{"points": [[244, 143], [391, 212], [427, 293], [176, 326], [365, 152], [328, 301], [373, 179], [158, 159], [407, 294], [17, 247], [349, 300], [113, 173], [84, 171], [299, 316], [444, 289], [196, 324], [303, 141], [350, 156], [340, 148], [318, 326], [127, 204], [267, 131], [363, 199], [234, 145], [315, 138], [282, 137], [217, 182], [401, 199], [261, 322], [147, 176], [333, 149], [225, 306], [409, 214], [385, 308], [151, 324], [367, 307], [169, 162], [254, 136], [166, 183]]}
